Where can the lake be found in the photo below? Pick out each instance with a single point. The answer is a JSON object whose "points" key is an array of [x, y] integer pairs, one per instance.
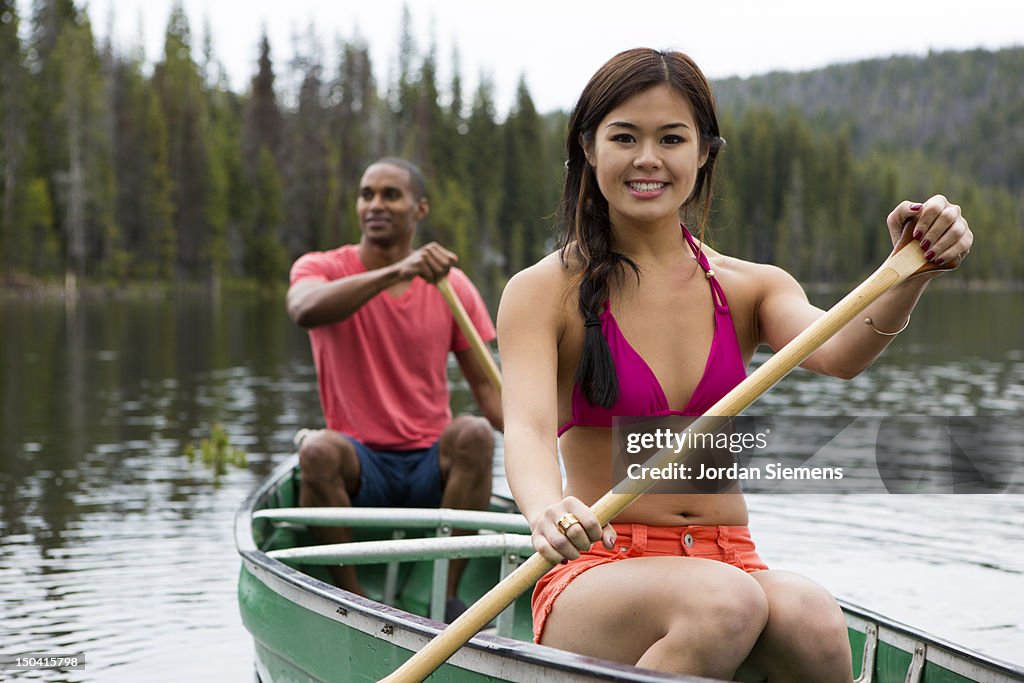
{"points": [[114, 545]]}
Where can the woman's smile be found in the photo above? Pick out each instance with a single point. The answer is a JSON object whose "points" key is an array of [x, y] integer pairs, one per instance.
{"points": [[646, 189]]}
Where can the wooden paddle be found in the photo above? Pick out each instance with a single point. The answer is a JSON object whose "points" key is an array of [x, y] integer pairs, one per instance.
{"points": [[906, 260], [480, 350]]}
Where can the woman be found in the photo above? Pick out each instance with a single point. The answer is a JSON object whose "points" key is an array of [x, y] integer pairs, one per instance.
{"points": [[635, 316]]}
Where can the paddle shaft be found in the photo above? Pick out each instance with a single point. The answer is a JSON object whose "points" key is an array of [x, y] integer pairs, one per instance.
{"points": [[480, 350], [906, 261]]}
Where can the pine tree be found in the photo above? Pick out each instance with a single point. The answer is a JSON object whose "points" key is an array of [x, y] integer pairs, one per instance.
{"points": [[267, 258], [426, 141], [526, 174], [403, 94], [483, 138], [261, 145], [356, 118], [179, 84], [160, 239], [263, 121], [307, 165], [14, 240]]}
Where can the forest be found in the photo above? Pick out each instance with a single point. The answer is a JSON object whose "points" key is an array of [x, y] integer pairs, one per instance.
{"points": [[115, 171]]}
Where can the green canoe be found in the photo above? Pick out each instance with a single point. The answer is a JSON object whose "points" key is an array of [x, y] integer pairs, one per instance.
{"points": [[305, 629]]}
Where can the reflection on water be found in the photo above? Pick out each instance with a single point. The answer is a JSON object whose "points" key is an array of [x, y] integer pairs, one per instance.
{"points": [[113, 545]]}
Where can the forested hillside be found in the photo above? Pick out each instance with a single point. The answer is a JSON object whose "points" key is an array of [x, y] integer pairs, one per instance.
{"points": [[114, 170], [815, 159], [965, 108]]}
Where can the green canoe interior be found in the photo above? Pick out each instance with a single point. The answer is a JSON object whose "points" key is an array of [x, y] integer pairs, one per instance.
{"points": [[307, 631], [414, 578]]}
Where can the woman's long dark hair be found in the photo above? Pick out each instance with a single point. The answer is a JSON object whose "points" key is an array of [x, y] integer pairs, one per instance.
{"points": [[582, 214]]}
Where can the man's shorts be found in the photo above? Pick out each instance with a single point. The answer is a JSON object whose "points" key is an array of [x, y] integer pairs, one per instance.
{"points": [[409, 479]]}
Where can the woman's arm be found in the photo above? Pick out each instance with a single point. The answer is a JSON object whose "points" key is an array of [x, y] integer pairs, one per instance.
{"points": [[784, 311], [530, 323]]}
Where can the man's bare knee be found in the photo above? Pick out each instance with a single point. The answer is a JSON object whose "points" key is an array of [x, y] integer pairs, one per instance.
{"points": [[325, 457], [469, 443]]}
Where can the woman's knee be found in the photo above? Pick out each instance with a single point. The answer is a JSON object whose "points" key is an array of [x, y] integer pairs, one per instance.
{"points": [[821, 615], [740, 608], [807, 631], [807, 606], [732, 610]]}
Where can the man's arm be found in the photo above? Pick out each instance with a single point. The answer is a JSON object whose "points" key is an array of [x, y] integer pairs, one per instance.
{"points": [[313, 302], [487, 395]]}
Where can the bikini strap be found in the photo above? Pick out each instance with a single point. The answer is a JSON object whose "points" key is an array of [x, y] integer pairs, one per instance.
{"points": [[716, 289]]}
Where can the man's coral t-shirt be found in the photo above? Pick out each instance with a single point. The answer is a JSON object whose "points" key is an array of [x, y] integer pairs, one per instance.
{"points": [[382, 372]]}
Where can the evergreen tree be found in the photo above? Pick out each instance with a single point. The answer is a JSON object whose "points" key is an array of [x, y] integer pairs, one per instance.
{"points": [[42, 253], [267, 258], [426, 140], [483, 138], [179, 84], [403, 94], [526, 175], [450, 147], [159, 238], [356, 120], [263, 121], [15, 242], [261, 154], [71, 136], [307, 165]]}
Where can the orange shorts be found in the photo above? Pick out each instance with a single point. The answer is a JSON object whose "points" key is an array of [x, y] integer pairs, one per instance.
{"points": [[730, 544]]}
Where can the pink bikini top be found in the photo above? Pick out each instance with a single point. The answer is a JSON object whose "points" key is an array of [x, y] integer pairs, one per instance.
{"points": [[640, 392]]}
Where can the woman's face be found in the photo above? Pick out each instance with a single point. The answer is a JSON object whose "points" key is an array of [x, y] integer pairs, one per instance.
{"points": [[646, 153]]}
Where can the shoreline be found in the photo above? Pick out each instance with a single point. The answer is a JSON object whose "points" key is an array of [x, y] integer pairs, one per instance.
{"points": [[54, 290], [31, 288]]}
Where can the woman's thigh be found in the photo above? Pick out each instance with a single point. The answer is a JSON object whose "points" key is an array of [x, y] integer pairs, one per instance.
{"points": [[618, 610]]}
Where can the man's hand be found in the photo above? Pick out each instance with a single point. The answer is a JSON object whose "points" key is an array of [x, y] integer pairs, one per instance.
{"points": [[430, 262]]}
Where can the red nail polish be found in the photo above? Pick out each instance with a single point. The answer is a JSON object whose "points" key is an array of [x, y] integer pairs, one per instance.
{"points": [[926, 244], [916, 207], [917, 234], [939, 262], [929, 256]]}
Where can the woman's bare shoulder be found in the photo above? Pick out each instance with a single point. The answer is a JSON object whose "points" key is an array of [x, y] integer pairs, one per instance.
{"points": [[747, 273], [545, 281]]}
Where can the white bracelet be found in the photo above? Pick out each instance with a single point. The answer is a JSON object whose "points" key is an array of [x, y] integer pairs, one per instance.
{"points": [[870, 323]]}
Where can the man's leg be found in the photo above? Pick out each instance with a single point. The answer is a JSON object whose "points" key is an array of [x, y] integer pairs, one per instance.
{"points": [[465, 460], [330, 477]]}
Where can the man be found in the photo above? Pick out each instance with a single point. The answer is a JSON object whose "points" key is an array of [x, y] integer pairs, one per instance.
{"points": [[380, 334]]}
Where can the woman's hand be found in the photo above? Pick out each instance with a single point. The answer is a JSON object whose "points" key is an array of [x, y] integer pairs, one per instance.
{"points": [[942, 231], [566, 528]]}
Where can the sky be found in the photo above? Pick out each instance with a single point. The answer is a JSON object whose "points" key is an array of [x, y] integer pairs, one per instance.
{"points": [[557, 45]]}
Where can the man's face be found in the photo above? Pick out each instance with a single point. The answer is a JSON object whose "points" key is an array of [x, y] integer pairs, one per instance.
{"points": [[387, 206]]}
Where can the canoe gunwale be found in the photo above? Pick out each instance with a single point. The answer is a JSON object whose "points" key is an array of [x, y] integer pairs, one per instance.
{"points": [[973, 665]]}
